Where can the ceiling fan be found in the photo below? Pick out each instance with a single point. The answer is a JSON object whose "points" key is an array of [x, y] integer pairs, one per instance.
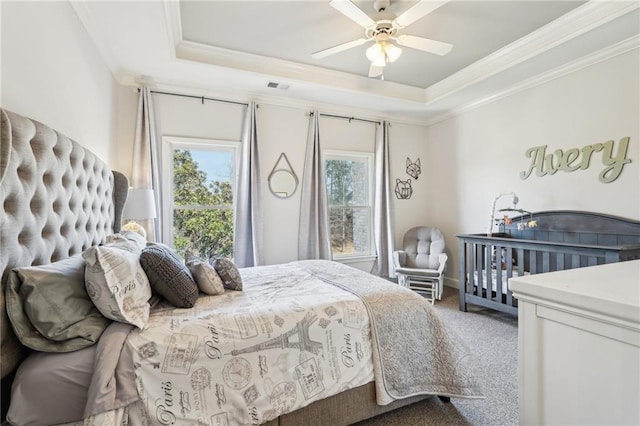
{"points": [[384, 31]]}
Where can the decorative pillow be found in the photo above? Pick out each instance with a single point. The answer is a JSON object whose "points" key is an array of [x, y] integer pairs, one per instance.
{"points": [[168, 275], [117, 283], [228, 272], [125, 236], [205, 275], [50, 309]]}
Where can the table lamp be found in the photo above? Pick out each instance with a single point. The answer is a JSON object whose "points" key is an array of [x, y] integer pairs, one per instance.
{"points": [[140, 205]]}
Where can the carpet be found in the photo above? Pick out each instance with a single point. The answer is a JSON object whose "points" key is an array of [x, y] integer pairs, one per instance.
{"points": [[493, 339]]}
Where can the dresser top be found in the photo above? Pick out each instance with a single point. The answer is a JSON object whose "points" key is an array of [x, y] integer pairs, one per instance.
{"points": [[612, 289]]}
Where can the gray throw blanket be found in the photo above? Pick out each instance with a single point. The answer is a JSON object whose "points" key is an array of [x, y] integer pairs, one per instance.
{"points": [[113, 382], [413, 353]]}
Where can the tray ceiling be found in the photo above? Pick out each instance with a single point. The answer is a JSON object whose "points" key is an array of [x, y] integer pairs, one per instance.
{"points": [[240, 46]]}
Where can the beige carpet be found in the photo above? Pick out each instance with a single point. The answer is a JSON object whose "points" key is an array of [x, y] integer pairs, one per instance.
{"points": [[493, 337]]}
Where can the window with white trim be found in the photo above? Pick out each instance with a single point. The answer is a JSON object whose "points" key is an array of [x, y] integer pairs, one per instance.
{"points": [[349, 179], [199, 191]]}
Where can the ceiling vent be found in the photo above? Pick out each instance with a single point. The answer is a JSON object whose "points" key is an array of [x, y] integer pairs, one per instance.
{"points": [[276, 85]]}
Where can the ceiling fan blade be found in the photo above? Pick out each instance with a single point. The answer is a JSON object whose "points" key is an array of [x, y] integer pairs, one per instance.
{"points": [[417, 11], [375, 71], [427, 45], [339, 48], [351, 11]]}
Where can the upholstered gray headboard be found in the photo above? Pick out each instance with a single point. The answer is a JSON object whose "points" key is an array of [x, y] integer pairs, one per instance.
{"points": [[57, 200]]}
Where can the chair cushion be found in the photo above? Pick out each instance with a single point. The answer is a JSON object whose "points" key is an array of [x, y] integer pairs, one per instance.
{"points": [[431, 273], [423, 244]]}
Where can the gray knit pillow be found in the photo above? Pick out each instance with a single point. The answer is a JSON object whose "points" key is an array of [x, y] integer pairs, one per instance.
{"points": [[228, 272], [168, 276]]}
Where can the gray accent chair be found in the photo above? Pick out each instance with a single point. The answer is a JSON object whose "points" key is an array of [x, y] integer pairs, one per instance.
{"points": [[421, 263]]}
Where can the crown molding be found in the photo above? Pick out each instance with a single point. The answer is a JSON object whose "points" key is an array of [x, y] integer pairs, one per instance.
{"points": [[174, 25], [217, 56], [620, 48], [567, 27], [96, 35]]}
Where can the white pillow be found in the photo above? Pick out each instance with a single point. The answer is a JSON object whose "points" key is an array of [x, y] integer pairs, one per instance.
{"points": [[205, 275], [117, 284], [127, 236]]}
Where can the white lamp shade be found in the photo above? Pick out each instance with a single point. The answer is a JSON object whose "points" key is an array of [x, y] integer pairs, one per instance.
{"points": [[375, 53], [140, 204], [382, 52], [393, 52]]}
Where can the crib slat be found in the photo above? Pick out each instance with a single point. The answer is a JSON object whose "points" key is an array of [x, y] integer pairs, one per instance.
{"points": [[575, 261], [533, 262], [520, 261], [463, 280], [559, 261], [479, 253], [498, 273], [487, 270], [471, 262], [545, 261]]}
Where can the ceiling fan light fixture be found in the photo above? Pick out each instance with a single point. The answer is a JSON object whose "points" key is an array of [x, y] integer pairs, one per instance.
{"points": [[383, 52], [392, 51], [375, 53], [384, 32]]}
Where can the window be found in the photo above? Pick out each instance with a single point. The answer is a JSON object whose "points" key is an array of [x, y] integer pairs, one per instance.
{"points": [[200, 195], [349, 193]]}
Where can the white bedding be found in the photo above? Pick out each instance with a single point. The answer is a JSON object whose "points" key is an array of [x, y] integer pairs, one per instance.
{"points": [[293, 336], [285, 341], [494, 279], [281, 344]]}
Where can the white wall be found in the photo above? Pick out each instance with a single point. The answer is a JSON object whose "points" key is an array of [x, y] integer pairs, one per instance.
{"points": [[284, 129], [479, 154], [52, 73]]}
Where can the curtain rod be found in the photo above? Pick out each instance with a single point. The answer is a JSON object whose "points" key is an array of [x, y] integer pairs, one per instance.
{"points": [[202, 98], [347, 118]]}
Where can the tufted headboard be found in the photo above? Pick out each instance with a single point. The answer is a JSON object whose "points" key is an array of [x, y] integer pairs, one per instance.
{"points": [[57, 200]]}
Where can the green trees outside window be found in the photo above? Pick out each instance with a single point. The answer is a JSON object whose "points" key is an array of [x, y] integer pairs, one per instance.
{"points": [[348, 192], [202, 207]]}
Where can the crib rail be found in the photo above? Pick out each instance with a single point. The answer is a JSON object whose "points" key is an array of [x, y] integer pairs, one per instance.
{"points": [[487, 264]]}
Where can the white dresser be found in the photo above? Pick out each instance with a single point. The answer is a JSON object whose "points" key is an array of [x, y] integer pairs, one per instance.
{"points": [[579, 346]]}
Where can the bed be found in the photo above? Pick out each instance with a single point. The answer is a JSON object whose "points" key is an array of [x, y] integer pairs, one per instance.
{"points": [[62, 206], [562, 239]]}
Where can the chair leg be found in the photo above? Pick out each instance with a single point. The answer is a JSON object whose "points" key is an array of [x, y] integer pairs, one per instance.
{"points": [[402, 280]]}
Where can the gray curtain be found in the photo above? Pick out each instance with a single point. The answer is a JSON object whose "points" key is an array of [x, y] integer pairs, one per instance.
{"points": [[247, 239], [382, 213], [313, 235], [145, 170]]}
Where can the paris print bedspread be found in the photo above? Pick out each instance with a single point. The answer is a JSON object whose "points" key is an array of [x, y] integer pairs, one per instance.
{"points": [[246, 357]]}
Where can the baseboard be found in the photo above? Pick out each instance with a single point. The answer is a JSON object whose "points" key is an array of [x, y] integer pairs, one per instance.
{"points": [[451, 282]]}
